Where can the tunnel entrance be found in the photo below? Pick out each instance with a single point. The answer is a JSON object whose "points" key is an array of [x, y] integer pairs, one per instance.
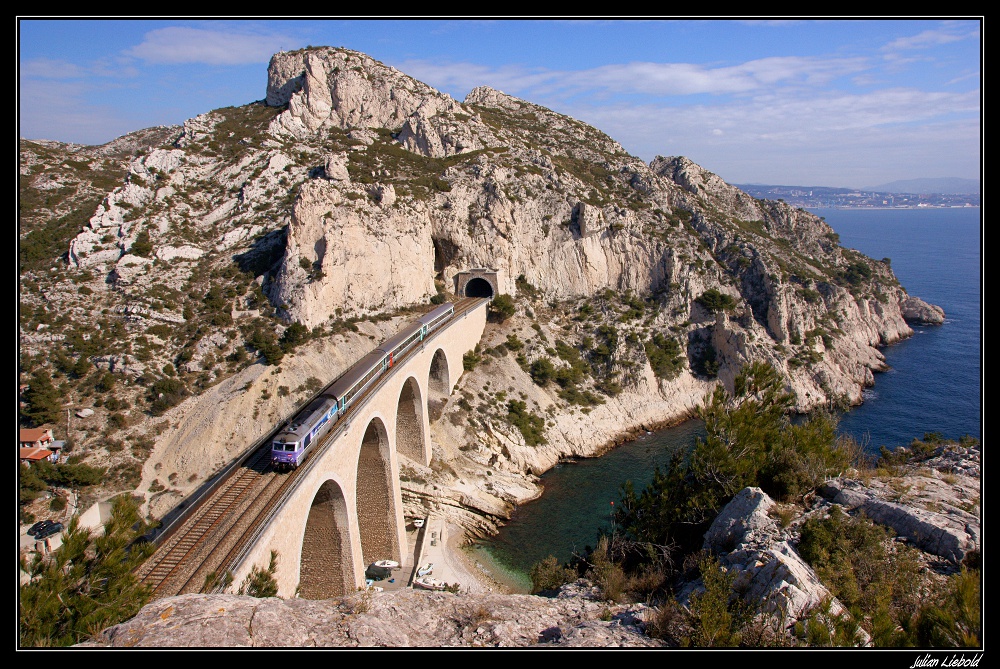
{"points": [[478, 282], [478, 287]]}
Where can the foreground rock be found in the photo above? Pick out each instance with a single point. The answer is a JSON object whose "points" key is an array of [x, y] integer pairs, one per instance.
{"points": [[934, 506], [768, 569], [936, 510], [399, 619]]}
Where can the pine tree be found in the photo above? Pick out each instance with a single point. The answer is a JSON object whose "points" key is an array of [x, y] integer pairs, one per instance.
{"points": [[42, 399], [260, 582], [87, 584]]}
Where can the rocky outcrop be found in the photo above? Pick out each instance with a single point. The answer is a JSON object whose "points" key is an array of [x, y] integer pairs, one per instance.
{"points": [[392, 184], [354, 190], [352, 256], [750, 543], [915, 310], [399, 619], [767, 569], [341, 88], [933, 507]]}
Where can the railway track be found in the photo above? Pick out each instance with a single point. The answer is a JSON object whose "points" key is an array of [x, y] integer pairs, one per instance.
{"points": [[210, 540]]}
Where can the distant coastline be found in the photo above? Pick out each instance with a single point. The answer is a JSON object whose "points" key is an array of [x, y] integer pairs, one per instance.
{"points": [[848, 198], [926, 206]]}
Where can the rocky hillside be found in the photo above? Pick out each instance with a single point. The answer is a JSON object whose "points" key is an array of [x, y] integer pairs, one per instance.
{"points": [[241, 261], [931, 504]]}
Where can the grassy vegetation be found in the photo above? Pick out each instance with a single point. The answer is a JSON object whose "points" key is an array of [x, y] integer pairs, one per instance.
{"points": [[715, 301], [665, 356]]}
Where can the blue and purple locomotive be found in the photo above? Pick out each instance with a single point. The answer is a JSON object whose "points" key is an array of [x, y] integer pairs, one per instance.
{"points": [[290, 448]]}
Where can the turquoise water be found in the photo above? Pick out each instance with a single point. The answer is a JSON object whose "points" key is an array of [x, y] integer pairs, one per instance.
{"points": [[934, 385]]}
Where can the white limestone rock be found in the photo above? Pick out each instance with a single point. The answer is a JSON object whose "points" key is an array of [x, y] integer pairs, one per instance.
{"points": [[328, 87], [185, 252], [335, 168], [361, 258], [129, 268], [766, 569], [916, 310], [396, 619], [933, 515]]}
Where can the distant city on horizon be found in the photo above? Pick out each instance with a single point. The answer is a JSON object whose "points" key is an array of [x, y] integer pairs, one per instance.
{"points": [[893, 195]]}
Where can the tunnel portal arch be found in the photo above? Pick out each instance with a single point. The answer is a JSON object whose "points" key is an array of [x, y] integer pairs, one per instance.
{"points": [[479, 282]]}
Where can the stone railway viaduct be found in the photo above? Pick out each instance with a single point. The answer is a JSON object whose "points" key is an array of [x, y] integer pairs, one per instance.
{"points": [[345, 511]]}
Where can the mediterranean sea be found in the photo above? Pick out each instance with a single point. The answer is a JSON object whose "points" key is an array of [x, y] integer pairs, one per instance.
{"points": [[934, 384]]}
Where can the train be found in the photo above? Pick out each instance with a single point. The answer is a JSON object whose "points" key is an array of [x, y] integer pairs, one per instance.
{"points": [[291, 447]]}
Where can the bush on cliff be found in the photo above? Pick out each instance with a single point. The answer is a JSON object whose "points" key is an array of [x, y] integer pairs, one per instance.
{"points": [[881, 583], [501, 308]]}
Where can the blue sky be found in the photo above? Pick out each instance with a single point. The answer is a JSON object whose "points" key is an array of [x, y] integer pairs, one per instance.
{"points": [[842, 102]]}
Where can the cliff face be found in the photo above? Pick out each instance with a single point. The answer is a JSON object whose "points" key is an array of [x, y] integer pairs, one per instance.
{"points": [[353, 191], [543, 197]]}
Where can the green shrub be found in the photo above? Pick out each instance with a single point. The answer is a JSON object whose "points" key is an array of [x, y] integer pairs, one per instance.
{"points": [[43, 402], [166, 393], [502, 307], [707, 364], [532, 427], [89, 583], [715, 301], [142, 246], [261, 582], [716, 615], [749, 441], [606, 573], [550, 575], [470, 360], [542, 371], [666, 356]]}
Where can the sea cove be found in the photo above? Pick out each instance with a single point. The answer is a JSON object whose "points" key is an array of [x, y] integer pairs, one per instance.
{"points": [[933, 385]]}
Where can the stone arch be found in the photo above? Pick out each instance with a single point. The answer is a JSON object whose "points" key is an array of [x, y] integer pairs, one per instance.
{"points": [[438, 384], [375, 504], [410, 436], [478, 287], [326, 568]]}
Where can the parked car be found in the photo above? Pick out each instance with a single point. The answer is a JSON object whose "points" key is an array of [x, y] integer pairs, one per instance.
{"points": [[49, 530], [38, 527]]}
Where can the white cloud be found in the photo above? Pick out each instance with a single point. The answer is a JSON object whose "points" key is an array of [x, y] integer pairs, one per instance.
{"points": [[48, 68], [460, 78], [832, 134], [645, 78], [212, 47], [932, 38], [60, 104]]}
